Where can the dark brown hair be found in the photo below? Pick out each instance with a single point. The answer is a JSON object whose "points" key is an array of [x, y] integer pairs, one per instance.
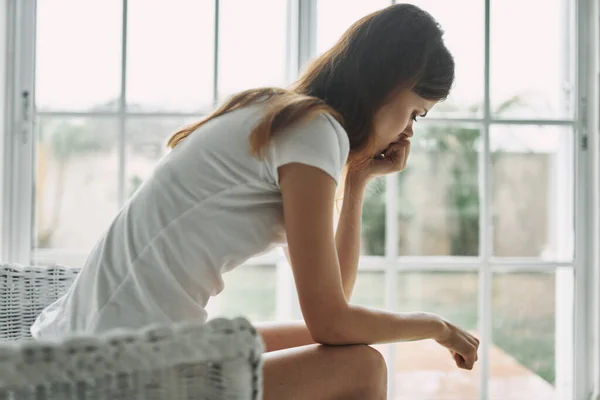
{"points": [[398, 47]]}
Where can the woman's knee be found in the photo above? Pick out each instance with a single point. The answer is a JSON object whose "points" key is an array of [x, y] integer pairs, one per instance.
{"points": [[370, 371], [374, 362]]}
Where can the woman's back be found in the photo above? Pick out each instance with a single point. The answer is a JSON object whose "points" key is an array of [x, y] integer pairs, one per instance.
{"points": [[208, 207]]}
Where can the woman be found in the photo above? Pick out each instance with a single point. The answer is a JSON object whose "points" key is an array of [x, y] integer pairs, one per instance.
{"points": [[262, 171]]}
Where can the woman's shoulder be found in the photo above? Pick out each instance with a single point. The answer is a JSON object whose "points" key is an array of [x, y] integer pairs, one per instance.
{"points": [[319, 142], [322, 130]]}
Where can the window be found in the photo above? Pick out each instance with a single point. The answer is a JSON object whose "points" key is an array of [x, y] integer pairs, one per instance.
{"points": [[108, 98], [481, 227]]}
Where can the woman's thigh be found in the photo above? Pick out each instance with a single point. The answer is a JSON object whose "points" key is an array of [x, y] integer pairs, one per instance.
{"points": [[318, 372]]}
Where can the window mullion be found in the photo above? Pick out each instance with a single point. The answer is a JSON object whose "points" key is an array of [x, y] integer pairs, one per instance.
{"points": [[485, 220], [391, 261], [593, 273], [307, 31], [587, 46], [292, 54], [19, 150], [215, 89], [122, 108], [391, 270]]}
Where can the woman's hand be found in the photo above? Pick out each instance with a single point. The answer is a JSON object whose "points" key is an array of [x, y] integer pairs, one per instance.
{"points": [[393, 160], [462, 345]]}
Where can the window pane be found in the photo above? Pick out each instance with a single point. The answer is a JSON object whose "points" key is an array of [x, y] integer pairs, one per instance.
{"points": [[424, 369], [252, 50], [530, 60], [76, 181], [335, 16], [532, 191], [531, 310], [373, 219], [463, 24], [170, 48], [78, 54], [369, 289], [438, 199], [146, 143], [249, 291]]}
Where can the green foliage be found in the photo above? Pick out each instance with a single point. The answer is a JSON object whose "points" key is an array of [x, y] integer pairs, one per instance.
{"points": [[373, 218], [69, 139], [453, 147], [531, 342], [457, 146]]}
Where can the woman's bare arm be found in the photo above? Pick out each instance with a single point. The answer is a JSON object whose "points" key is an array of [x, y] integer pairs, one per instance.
{"points": [[308, 194], [347, 236], [281, 335], [348, 232]]}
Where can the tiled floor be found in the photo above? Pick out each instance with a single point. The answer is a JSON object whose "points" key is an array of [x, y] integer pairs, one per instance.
{"points": [[425, 371]]}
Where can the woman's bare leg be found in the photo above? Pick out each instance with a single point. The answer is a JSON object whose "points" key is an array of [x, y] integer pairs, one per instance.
{"points": [[317, 372]]}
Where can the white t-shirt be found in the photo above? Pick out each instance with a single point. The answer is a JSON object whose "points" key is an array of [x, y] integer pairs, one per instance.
{"points": [[208, 207]]}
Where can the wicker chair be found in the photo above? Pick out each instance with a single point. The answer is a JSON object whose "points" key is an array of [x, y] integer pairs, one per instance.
{"points": [[25, 292], [218, 360]]}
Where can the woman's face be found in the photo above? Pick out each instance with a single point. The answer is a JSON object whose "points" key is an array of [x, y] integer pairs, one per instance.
{"points": [[394, 121]]}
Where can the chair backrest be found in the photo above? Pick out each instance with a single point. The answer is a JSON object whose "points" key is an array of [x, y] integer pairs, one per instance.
{"points": [[218, 360], [25, 291]]}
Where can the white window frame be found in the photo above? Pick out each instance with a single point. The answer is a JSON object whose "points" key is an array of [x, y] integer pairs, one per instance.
{"points": [[18, 183]]}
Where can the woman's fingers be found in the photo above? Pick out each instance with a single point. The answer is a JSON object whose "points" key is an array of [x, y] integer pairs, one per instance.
{"points": [[475, 342], [463, 348], [406, 153], [397, 154], [460, 361]]}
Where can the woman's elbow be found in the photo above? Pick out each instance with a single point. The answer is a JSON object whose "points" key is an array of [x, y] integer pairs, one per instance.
{"points": [[332, 332], [326, 338]]}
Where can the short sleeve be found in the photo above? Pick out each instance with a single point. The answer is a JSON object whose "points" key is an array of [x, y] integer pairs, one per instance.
{"points": [[321, 143]]}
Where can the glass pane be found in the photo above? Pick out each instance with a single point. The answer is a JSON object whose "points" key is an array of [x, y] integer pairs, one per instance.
{"points": [[335, 16], [532, 323], [369, 289], [78, 54], [170, 48], [146, 143], [532, 191], [531, 60], [252, 51], [438, 199], [250, 291], [373, 219], [76, 181], [463, 24], [424, 369]]}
